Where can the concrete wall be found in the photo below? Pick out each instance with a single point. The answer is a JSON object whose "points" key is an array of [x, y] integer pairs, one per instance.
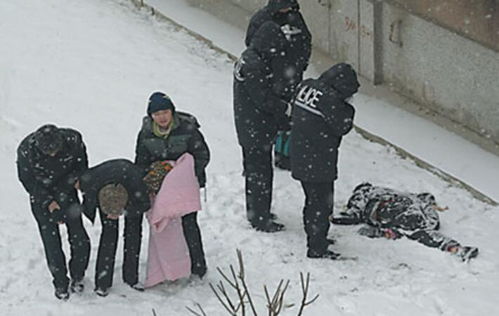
{"points": [[450, 74]]}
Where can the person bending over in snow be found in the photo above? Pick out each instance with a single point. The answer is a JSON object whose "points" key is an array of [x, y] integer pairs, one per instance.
{"points": [[116, 188], [48, 164], [392, 214]]}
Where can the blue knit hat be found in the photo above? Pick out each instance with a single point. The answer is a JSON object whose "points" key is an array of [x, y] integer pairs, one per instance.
{"points": [[159, 101]]}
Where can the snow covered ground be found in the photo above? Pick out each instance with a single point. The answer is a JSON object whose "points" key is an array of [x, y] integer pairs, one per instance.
{"points": [[92, 64]]}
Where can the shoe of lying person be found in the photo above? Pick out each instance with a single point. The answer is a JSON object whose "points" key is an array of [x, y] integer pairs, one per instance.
{"points": [[466, 253], [328, 254], [101, 292], [269, 227], [76, 286], [61, 293]]}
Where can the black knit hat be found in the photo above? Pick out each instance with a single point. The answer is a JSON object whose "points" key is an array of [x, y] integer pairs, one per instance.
{"points": [[48, 139], [159, 101]]}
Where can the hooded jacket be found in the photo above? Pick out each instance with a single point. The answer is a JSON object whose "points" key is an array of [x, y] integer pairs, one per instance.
{"points": [[48, 178], [258, 109], [116, 171], [321, 117], [299, 38]]}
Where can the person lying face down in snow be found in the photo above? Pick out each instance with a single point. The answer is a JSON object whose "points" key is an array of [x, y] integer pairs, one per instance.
{"points": [[392, 214]]}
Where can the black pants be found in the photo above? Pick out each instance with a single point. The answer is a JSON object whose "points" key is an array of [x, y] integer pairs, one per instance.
{"points": [[434, 239], [104, 269], [78, 240], [192, 236], [319, 198], [258, 171]]}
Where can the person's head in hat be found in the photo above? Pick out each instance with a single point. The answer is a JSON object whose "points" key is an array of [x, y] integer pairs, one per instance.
{"points": [[161, 109], [113, 199], [49, 140]]}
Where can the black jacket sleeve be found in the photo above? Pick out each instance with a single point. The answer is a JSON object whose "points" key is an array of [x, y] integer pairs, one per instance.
{"points": [[79, 152], [199, 149], [260, 90], [38, 192], [142, 155], [337, 114]]}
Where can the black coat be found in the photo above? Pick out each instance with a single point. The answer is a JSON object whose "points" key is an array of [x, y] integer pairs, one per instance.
{"points": [[321, 117], [48, 178], [117, 171], [298, 35], [185, 137], [259, 111]]}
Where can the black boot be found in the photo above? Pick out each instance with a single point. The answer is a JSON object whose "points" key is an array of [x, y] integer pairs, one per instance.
{"points": [[76, 286], [268, 227], [328, 254], [62, 293]]}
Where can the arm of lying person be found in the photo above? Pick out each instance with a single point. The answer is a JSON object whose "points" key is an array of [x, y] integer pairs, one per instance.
{"points": [[378, 232], [370, 231]]}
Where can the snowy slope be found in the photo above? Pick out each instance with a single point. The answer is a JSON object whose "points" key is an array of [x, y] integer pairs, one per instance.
{"points": [[92, 64]]}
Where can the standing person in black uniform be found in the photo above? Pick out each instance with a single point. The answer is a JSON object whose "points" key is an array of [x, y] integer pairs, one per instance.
{"points": [[321, 116], [392, 214], [286, 13], [166, 135], [48, 164], [259, 112], [116, 188]]}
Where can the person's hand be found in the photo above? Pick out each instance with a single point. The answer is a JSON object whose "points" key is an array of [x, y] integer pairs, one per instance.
{"points": [[53, 206], [390, 234], [113, 217]]}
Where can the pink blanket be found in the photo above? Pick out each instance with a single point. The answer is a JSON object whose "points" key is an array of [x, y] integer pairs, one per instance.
{"points": [[168, 257]]}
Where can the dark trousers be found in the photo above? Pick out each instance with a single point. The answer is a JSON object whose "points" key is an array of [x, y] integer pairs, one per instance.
{"points": [[78, 240], [258, 171], [319, 197], [104, 269], [192, 236]]}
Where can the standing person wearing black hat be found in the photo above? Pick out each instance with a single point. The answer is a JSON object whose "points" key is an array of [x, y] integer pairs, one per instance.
{"points": [[167, 134], [286, 13], [321, 116], [116, 188], [49, 161], [259, 112]]}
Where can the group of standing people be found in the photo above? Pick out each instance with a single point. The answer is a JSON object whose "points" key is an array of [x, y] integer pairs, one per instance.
{"points": [[52, 165], [270, 97], [309, 118]]}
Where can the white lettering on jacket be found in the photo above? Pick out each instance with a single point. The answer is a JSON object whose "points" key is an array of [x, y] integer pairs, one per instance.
{"points": [[307, 99]]}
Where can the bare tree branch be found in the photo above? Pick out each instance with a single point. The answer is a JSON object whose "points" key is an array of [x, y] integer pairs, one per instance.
{"points": [[243, 281], [237, 281], [193, 311], [304, 287]]}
